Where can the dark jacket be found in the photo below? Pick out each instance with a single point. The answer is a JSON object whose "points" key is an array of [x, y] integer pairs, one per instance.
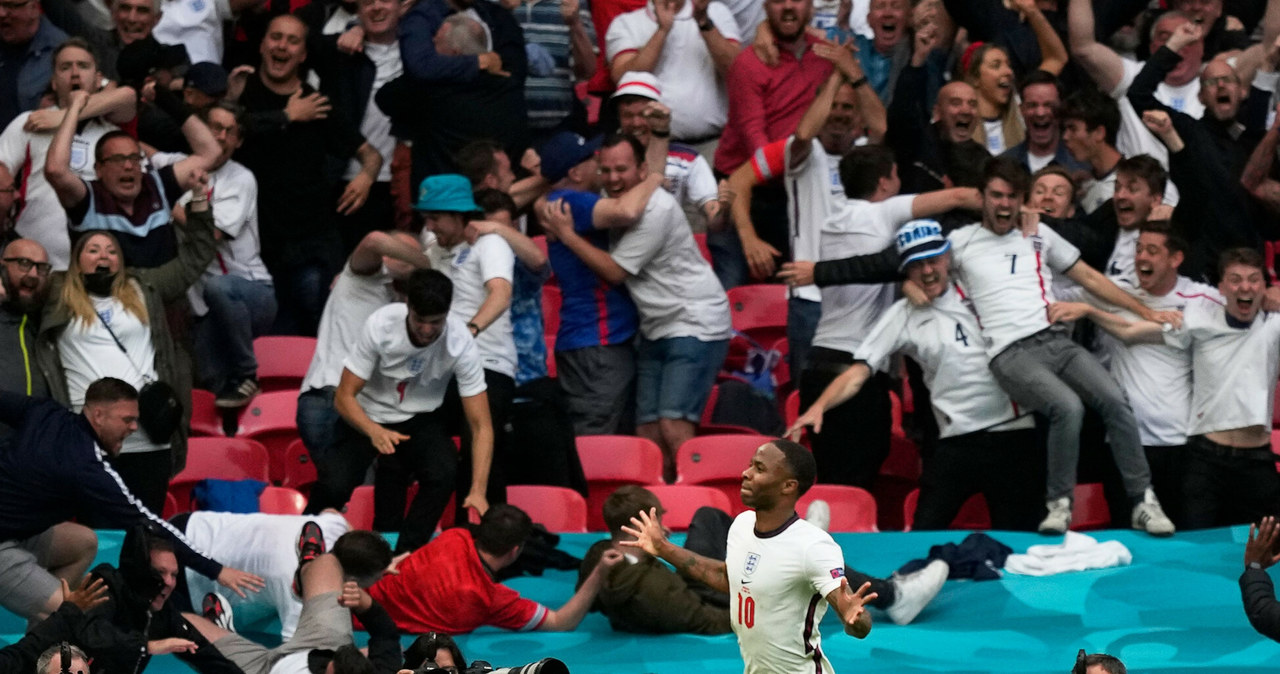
{"points": [[160, 286], [54, 471], [649, 598], [20, 371], [347, 79], [1260, 605]]}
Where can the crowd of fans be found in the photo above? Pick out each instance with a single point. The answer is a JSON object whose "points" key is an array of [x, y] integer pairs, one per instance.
{"points": [[179, 177]]}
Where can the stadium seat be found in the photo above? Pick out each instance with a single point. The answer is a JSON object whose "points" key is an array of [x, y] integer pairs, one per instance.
{"points": [[1275, 408], [551, 300], [218, 458], [973, 515], [718, 461], [791, 408], [1275, 447], [283, 361], [1089, 510], [359, 510], [610, 461], [701, 240], [170, 506], [681, 501], [299, 469], [853, 510], [272, 420], [550, 341], [281, 501], [558, 509], [758, 311], [206, 418]]}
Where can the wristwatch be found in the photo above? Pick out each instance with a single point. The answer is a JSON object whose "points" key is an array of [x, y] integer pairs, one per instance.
{"points": [[1255, 565], [706, 26]]}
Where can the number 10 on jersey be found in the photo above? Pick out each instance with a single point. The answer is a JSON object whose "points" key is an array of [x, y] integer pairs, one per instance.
{"points": [[746, 611]]}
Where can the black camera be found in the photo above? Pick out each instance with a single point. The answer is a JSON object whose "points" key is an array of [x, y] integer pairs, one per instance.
{"points": [[543, 666]]}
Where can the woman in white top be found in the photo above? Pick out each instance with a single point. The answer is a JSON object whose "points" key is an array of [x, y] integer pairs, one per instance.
{"points": [[106, 320]]}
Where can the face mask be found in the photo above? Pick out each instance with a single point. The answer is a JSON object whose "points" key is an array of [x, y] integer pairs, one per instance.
{"points": [[99, 283]]}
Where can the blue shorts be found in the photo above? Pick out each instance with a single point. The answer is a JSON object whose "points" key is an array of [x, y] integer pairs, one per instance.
{"points": [[674, 376]]}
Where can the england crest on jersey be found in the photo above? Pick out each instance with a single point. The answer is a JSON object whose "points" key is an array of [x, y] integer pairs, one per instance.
{"points": [[1037, 242], [753, 561], [417, 365]]}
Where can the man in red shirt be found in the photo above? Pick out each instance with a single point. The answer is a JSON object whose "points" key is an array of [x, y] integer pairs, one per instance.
{"points": [[448, 584]]}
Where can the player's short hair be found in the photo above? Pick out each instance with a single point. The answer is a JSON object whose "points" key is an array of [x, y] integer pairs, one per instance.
{"points": [[1242, 256], [428, 292], [492, 200], [1146, 168], [1009, 170], [863, 167], [362, 554], [109, 390], [477, 159], [349, 660], [615, 139], [1174, 242], [1108, 663], [625, 503], [1094, 109], [502, 528], [799, 462]]}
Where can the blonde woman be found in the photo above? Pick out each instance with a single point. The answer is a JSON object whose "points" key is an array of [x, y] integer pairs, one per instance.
{"points": [[105, 319]]}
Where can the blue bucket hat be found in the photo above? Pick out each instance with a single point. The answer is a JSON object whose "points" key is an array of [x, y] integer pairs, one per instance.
{"points": [[920, 240], [448, 192]]}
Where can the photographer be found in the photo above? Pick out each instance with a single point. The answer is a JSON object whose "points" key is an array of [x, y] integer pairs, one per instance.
{"points": [[34, 648], [51, 660]]}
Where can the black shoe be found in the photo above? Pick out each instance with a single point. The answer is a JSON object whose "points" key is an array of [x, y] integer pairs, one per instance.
{"points": [[310, 546], [239, 396]]}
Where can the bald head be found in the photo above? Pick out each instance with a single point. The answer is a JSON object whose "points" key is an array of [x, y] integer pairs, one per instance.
{"points": [[956, 111], [25, 275]]}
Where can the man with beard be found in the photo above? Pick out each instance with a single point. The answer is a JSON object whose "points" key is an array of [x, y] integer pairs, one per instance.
{"points": [[1041, 95], [25, 278]]}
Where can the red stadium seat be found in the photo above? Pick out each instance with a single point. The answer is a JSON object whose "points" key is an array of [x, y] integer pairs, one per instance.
{"points": [[551, 300], [681, 501], [1275, 446], [610, 461], [281, 501], [299, 469], [718, 461], [973, 515], [852, 509], [1089, 510], [760, 312], [170, 506], [1275, 409], [701, 240], [283, 361], [218, 458], [272, 420], [359, 510], [558, 509], [550, 340], [206, 418]]}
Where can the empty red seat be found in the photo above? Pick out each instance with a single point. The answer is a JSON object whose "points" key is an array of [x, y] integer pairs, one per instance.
{"points": [[701, 240], [551, 300], [758, 311], [281, 501], [1089, 508], [718, 461], [283, 361], [973, 515], [681, 501], [206, 418], [852, 509], [218, 458], [299, 469], [359, 510], [610, 461], [558, 509], [272, 420]]}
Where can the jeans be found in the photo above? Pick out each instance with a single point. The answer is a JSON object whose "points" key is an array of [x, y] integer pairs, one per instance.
{"points": [[316, 420], [1051, 374], [802, 324], [239, 310], [727, 259]]}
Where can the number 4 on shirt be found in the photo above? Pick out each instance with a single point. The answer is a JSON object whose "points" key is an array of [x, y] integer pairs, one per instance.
{"points": [[960, 336]]}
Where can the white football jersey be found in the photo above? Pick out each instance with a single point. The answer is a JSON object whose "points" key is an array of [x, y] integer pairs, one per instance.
{"points": [[1234, 369], [778, 584], [944, 338], [1008, 279]]}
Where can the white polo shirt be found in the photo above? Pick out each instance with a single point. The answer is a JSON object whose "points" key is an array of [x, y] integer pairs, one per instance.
{"points": [[1008, 279], [854, 227], [675, 291], [196, 25], [687, 75], [778, 585], [1234, 370], [470, 266], [353, 298], [944, 338]]}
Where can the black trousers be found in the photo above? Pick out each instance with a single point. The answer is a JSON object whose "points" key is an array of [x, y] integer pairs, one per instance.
{"points": [[146, 474], [709, 536], [1006, 467], [1168, 469], [500, 390], [428, 456], [1225, 485], [855, 434]]}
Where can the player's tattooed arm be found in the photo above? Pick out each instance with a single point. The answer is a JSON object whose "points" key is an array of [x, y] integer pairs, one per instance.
{"points": [[649, 535]]}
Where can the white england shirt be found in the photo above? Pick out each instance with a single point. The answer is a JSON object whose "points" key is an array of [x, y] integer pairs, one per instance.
{"points": [[944, 338], [352, 300], [1134, 138], [778, 584], [401, 379], [1234, 370], [1008, 279], [470, 266]]}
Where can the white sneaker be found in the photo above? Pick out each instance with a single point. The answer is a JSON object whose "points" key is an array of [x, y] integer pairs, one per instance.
{"points": [[1149, 516], [819, 514], [914, 591], [218, 610], [1059, 518]]}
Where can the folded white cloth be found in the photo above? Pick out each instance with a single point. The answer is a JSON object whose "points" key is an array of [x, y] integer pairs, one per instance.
{"points": [[1077, 552]]}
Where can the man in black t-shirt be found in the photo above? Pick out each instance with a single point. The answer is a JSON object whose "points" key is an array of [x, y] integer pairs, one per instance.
{"points": [[290, 133]]}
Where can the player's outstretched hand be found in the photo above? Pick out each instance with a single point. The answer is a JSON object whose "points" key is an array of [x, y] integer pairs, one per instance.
{"points": [[853, 608], [647, 530]]}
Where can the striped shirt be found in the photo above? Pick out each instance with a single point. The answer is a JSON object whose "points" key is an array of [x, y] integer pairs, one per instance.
{"points": [[549, 96]]}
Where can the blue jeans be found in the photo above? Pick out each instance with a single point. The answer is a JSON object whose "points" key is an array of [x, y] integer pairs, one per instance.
{"points": [[674, 377], [239, 310], [316, 420], [802, 324]]}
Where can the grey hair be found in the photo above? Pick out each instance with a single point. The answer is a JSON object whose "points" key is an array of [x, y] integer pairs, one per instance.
{"points": [[1171, 14], [466, 35], [46, 658]]}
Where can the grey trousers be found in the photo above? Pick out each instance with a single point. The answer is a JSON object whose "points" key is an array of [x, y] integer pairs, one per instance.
{"points": [[1051, 374]]}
